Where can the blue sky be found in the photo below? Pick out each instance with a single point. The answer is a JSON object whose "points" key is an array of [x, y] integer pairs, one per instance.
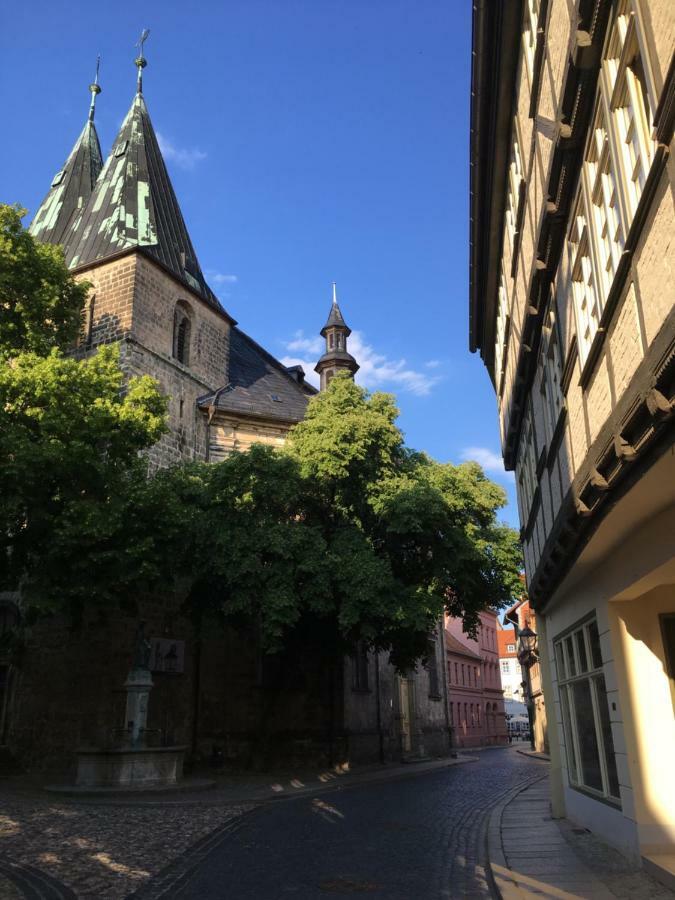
{"points": [[308, 141]]}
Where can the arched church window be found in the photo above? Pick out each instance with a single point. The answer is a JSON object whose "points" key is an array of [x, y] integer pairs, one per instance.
{"points": [[181, 333]]}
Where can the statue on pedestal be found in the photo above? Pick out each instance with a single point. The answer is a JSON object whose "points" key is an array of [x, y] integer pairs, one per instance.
{"points": [[142, 649]]}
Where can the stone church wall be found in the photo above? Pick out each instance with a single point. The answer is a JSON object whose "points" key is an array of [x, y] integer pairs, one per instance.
{"points": [[133, 301]]}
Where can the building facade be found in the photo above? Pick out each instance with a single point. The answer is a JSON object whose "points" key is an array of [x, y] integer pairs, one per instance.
{"points": [[509, 666], [475, 697], [572, 307], [122, 230]]}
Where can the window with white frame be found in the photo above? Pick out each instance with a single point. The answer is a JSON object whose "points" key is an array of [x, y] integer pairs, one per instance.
{"points": [[530, 34], [502, 321], [591, 763], [551, 375], [585, 294], [603, 206], [526, 468], [516, 175], [619, 152], [625, 87]]}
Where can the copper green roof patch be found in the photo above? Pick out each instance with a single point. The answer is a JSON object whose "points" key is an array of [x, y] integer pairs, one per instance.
{"points": [[133, 206], [55, 220]]}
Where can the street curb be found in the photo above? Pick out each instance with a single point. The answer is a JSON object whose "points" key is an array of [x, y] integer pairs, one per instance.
{"points": [[214, 796], [503, 884]]}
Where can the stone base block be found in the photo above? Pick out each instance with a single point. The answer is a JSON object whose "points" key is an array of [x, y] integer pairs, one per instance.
{"points": [[128, 767]]}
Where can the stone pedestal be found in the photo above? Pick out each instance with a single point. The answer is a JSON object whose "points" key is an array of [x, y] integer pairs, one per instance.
{"points": [[129, 767], [138, 686]]}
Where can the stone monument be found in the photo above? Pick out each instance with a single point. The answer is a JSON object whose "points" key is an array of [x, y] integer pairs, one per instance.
{"points": [[130, 763]]}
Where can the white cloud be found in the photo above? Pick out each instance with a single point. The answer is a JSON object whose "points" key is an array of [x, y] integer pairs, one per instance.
{"points": [[376, 370], [488, 459], [432, 364], [301, 344], [220, 278], [184, 157]]}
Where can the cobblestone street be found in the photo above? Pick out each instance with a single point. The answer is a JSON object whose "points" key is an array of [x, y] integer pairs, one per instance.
{"points": [[404, 833], [98, 851], [418, 837]]}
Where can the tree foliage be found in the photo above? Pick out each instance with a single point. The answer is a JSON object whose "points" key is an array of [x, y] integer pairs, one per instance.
{"points": [[40, 303], [346, 534], [75, 504]]}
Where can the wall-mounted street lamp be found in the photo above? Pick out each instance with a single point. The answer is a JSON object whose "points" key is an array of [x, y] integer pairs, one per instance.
{"points": [[527, 647]]}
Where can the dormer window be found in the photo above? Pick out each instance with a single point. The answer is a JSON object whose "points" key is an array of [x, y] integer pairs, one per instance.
{"points": [[181, 333], [121, 148], [58, 178]]}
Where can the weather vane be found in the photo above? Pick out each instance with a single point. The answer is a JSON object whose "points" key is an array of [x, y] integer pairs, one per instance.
{"points": [[140, 61]]}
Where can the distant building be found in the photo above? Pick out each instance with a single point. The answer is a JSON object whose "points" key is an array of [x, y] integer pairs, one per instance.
{"points": [[572, 307], [475, 698], [510, 670]]}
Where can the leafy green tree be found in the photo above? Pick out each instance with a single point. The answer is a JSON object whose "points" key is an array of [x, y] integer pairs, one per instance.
{"points": [[344, 536], [40, 302], [76, 508]]}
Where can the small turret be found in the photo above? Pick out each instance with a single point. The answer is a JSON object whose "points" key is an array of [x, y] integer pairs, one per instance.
{"points": [[336, 358]]}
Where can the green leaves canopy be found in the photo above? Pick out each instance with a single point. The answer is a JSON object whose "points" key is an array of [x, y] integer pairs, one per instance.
{"points": [[345, 529]]}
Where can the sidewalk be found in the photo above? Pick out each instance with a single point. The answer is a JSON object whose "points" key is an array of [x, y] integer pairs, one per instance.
{"points": [[532, 855]]}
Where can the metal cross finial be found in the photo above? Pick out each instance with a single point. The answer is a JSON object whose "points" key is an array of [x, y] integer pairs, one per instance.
{"points": [[95, 89], [140, 61]]}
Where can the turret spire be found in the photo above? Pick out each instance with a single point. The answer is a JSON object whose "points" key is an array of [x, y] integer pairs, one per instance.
{"points": [[141, 62], [336, 358], [95, 89]]}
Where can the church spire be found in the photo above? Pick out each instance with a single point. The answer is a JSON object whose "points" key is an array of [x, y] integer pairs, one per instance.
{"points": [[134, 206], [336, 358], [72, 185]]}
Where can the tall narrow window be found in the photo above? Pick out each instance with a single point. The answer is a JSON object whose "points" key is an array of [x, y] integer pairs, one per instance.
{"points": [[550, 375], [586, 298], [181, 334], [530, 34], [516, 175], [589, 745], [604, 201], [526, 468], [502, 321], [625, 84]]}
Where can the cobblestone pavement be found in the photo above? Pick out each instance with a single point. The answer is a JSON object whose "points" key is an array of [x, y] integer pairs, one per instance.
{"points": [[104, 851], [410, 839]]}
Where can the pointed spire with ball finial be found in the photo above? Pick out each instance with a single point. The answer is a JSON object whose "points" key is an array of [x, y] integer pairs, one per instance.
{"points": [[336, 358]]}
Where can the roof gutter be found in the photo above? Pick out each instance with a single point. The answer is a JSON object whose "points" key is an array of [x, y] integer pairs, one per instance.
{"points": [[495, 49]]}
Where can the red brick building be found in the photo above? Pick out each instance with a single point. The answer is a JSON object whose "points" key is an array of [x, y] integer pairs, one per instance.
{"points": [[475, 697]]}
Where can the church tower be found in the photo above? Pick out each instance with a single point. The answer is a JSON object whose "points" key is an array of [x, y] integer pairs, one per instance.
{"points": [[123, 231], [336, 358]]}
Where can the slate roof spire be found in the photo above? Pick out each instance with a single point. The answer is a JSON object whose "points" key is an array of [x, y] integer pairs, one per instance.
{"points": [[336, 358], [72, 186], [133, 205]]}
